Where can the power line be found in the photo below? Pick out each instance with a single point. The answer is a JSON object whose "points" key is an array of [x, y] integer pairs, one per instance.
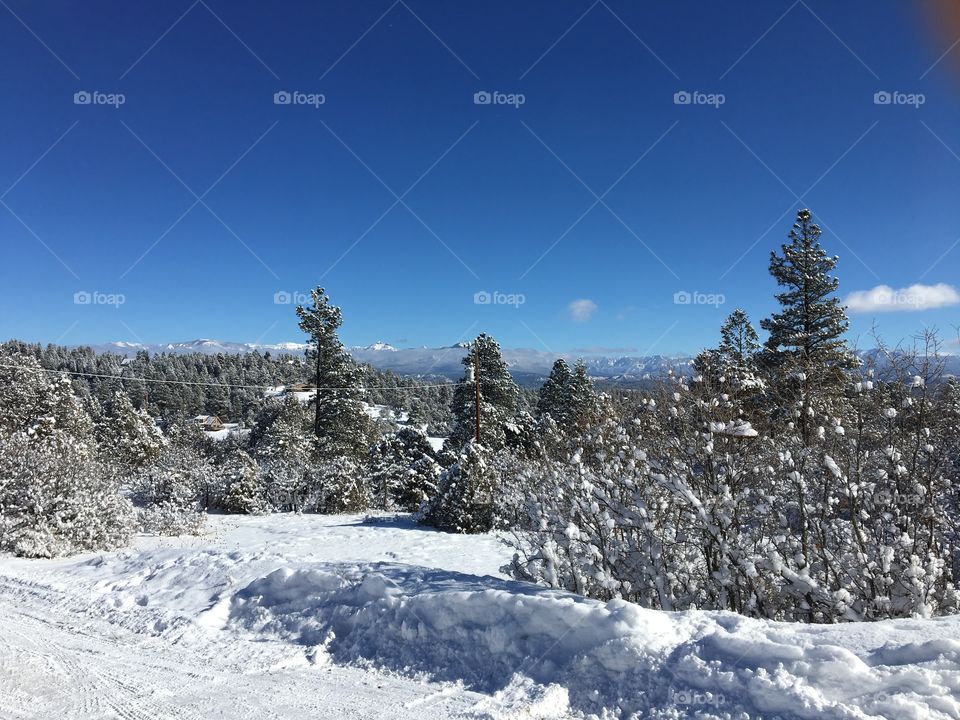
{"points": [[227, 385]]}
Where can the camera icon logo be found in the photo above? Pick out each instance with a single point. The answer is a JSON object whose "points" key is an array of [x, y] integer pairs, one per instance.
{"points": [[82, 297], [282, 97], [482, 298], [682, 297], [482, 98], [282, 297], [882, 98], [82, 97], [682, 97]]}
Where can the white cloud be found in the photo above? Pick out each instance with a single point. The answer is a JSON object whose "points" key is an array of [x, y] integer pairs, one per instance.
{"points": [[582, 310], [884, 298]]}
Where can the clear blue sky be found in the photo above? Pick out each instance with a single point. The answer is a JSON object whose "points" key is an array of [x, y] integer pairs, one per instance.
{"points": [[500, 189]]}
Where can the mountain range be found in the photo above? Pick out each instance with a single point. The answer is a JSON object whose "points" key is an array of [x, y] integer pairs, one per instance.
{"points": [[526, 365]]}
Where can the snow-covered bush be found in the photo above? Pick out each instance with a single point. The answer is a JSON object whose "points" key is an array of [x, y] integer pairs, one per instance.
{"points": [[340, 487], [169, 494], [55, 499], [404, 471], [244, 489], [127, 436], [464, 502], [688, 507]]}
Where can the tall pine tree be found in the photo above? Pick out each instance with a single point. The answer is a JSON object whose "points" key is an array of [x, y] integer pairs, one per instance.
{"points": [[340, 424], [554, 398], [499, 397], [583, 403], [806, 349]]}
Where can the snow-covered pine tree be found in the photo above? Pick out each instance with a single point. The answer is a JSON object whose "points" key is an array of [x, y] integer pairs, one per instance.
{"points": [[40, 403], [244, 488], [404, 470], [339, 486], [55, 498], [284, 444], [583, 401], [170, 493], [499, 397], [554, 396], [739, 346], [125, 435], [341, 426], [806, 350], [464, 502], [732, 368]]}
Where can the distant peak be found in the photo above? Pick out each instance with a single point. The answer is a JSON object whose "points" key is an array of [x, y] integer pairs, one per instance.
{"points": [[380, 345]]}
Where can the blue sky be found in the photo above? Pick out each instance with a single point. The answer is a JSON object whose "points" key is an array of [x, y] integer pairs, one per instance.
{"points": [[595, 201]]}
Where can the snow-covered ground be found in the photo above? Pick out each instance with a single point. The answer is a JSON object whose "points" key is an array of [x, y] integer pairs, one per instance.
{"points": [[342, 616]]}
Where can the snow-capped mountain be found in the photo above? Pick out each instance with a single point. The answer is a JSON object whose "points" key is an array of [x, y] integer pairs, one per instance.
{"points": [[528, 366], [202, 345]]}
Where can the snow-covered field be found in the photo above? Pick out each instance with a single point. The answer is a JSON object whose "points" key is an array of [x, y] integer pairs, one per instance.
{"points": [[346, 617]]}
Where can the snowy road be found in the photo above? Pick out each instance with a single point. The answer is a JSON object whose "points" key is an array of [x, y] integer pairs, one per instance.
{"points": [[66, 653], [344, 617]]}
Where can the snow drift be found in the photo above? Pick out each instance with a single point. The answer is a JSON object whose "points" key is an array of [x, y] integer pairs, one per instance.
{"points": [[614, 658], [260, 596]]}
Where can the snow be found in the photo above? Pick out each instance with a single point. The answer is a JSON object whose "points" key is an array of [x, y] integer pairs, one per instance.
{"points": [[289, 616], [228, 430], [734, 428], [376, 412]]}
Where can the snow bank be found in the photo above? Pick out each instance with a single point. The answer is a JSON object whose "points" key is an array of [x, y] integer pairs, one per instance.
{"points": [[496, 636], [263, 592]]}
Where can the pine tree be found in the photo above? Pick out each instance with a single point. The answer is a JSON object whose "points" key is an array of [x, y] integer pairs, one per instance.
{"points": [[172, 493], [126, 435], [39, 403], [245, 492], [583, 401], [732, 367], [554, 397], [404, 470], [499, 397], [286, 448], [739, 342], [56, 500], [464, 502], [340, 425], [806, 348], [55, 497]]}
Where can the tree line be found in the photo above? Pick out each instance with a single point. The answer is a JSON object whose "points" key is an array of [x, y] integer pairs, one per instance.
{"points": [[785, 479]]}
